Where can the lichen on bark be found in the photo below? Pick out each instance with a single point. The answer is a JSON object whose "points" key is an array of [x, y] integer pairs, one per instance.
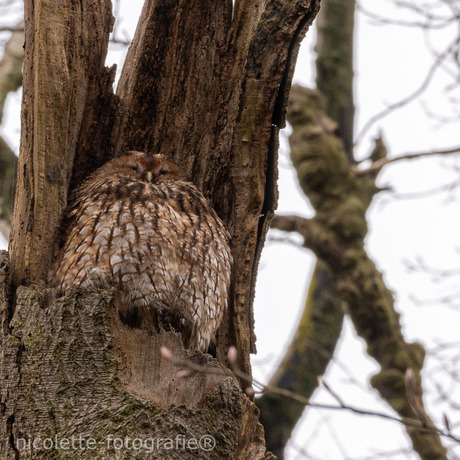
{"points": [[336, 234], [68, 361]]}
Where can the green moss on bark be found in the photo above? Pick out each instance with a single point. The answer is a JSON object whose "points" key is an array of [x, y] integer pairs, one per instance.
{"points": [[336, 234]]}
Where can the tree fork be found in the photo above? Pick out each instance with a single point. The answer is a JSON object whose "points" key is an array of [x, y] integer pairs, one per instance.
{"points": [[336, 234], [204, 89], [204, 86], [236, 92]]}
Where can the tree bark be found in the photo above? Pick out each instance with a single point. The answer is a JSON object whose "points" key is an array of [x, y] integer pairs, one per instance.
{"points": [[203, 84], [65, 48], [73, 375]]}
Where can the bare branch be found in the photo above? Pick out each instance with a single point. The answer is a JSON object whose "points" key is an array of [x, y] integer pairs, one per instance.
{"points": [[376, 167], [290, 223], [332, 392], [429, 22], [392, 107], [11, 29], [120, 41], [449, 187], [262, 389]]}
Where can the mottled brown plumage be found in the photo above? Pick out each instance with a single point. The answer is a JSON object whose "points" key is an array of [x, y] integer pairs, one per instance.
{"points": [[137, 224]]}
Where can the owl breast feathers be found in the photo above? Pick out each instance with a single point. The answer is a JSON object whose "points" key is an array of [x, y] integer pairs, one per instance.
{"points": [[137, 224]]}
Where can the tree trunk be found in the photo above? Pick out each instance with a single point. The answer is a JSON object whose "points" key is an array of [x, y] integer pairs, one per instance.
{"points": [[65, 48], [205, 85], [77, 383]]}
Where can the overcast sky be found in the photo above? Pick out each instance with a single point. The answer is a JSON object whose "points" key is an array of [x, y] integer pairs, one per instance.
{"points": [[391, 62]]}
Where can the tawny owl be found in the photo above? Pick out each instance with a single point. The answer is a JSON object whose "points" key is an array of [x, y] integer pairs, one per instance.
{"points": [[137, 224]]}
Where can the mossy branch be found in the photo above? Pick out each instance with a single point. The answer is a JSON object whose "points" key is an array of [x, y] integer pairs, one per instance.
{"points": [[305, 360], [336, 234]]}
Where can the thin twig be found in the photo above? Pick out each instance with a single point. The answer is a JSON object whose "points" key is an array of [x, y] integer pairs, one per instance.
{"points": [[378, 165], [434, 67], [11, 29], [430, 21], [166, 353]]}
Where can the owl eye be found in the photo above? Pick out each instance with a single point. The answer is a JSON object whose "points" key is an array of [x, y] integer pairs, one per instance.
{"points": [[163, 171], [135, 168]]}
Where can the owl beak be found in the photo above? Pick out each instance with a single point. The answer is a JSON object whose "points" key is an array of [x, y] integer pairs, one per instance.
{"points": [[149, 176]]}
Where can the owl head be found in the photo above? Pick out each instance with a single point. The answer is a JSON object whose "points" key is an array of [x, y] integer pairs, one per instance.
{"points": [[144, 166]]}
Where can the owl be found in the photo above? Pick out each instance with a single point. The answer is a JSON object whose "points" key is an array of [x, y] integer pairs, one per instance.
{"points": [[138, 225]]}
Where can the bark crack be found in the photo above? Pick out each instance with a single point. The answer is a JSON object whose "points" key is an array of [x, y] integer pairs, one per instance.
{"points": [[9, 430]]}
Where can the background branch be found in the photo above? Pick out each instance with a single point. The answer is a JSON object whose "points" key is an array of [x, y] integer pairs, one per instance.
{"points": [[11, 65], [340, 200], [10, 80], [435, 66], [378, 165], [319, 329], [8, 165]]}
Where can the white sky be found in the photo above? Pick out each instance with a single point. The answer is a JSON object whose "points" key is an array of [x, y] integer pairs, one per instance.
{"points": [[390, 63]]}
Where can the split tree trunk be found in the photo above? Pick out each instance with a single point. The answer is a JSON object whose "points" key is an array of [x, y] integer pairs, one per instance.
{"points": [[207, 86]]}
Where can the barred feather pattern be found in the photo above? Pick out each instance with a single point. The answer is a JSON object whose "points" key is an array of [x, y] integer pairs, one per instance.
{"points": [[137, 224]]}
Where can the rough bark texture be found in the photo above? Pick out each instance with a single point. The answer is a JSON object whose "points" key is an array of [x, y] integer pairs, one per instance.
{"points": [[336, 234], [65, 48], [207, 87], [71, 368]]}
